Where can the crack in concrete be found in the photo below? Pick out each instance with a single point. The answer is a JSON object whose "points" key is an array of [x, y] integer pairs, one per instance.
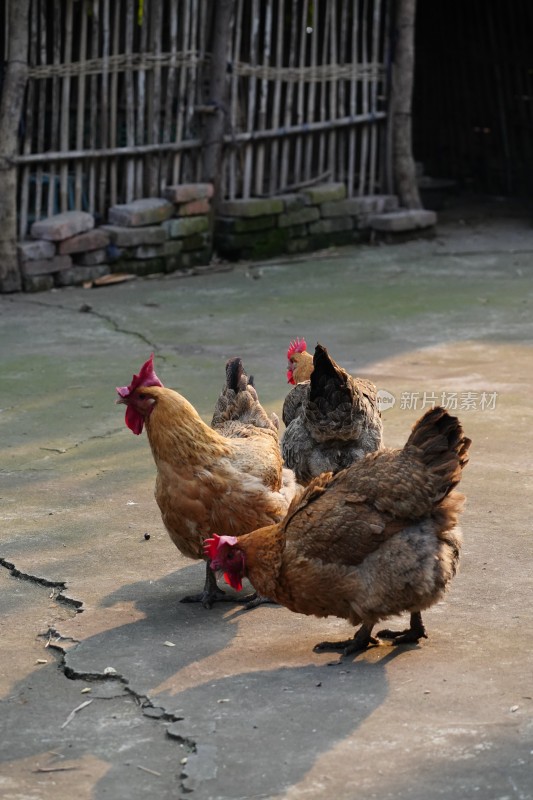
{"points": [[88, 309], [61, 585], [54, 639]]}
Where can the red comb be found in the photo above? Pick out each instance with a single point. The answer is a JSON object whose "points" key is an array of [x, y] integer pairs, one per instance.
{"points": [[146, 377], [298, 346], [211, 546]]}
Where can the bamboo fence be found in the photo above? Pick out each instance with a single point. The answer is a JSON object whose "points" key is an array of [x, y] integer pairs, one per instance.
{"points": [[117, 98]]}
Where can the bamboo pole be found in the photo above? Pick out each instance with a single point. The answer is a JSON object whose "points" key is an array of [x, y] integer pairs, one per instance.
{"points": [[286, 144], [113, 104], [104, 101], [55, 115], [311, 95], [300, 92], [93, 106], [41, 113], [234, 172], [363, 152], [25, 177], [80, 110], [333, 55], [252, 92], [401, 101], [276, 103], [129, 102], [181, 93], [11, 103], [141, 100], [170, 87], [322, 142], [64, 131], [191, 144], [352, 136], [215, 124], [376, 25], [263, 98]]}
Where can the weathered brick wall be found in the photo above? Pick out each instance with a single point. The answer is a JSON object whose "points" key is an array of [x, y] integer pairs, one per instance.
{"points": [[312, 219], [144, 237], [178, 232]]}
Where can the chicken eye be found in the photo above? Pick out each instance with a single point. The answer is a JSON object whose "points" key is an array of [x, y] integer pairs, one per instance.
{"points": [[230, 555]]}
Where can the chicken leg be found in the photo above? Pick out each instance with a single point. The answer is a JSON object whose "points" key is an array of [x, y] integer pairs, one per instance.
{"points": [[210, 594], [363, 637], [410, 635]]}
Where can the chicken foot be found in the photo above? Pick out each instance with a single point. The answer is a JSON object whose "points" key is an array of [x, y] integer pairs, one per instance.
{"points": [[360, 641], [410, 635], [211, 592], [256, 599]]}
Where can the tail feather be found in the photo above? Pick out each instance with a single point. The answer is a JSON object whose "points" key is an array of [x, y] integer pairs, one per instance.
{"points": [[234, 374], [442, 445], [325, 371]]}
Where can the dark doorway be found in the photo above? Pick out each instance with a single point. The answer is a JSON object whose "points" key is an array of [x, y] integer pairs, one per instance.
{"points": [[473, 97]]}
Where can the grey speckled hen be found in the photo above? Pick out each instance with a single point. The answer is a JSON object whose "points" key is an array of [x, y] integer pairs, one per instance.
{"points": [[337, 423]]}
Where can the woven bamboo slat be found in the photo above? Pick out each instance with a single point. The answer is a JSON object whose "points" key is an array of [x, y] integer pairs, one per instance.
{"points": [[116, 101]]}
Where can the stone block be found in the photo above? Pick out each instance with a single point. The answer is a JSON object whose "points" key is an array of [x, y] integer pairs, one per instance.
{"points": [[195, 258], [258, 245], [62, 226], [140, 213], [300, 216], [187, 192], [38, 283], [80, 275], [149, 266], [298, 245], [133, 237], [46, 266], [227, 225], [403, 220], [186, 226], [145, 251], [292, 202], [37, 250], [198, 241], [172, 248], [193, 209], [92, 258], [84, 242], [332, 225], [324, 193], [254, 207]]}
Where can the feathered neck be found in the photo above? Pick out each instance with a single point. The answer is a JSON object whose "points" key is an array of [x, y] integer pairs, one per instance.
{"points": [[176, 431]]}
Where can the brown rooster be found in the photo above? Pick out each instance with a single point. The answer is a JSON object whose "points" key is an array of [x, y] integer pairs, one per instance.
{"points": [[208, 479], [337, 421], [375, 540]]}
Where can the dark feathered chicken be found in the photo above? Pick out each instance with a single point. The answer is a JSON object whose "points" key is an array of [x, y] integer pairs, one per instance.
{"points": [[337, 423]]}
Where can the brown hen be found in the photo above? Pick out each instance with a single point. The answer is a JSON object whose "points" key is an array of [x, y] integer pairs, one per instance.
{"points": [[375, 540]]}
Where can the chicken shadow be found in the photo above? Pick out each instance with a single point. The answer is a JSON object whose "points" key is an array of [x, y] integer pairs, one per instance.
{"points": [[274, 722]]}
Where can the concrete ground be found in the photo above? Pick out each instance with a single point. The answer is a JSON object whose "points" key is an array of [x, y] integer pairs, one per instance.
{"points": [[110, 688]]}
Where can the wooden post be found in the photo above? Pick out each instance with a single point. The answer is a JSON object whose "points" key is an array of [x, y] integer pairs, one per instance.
{"points": [[403, 163], [215, 123], [11, 102]]}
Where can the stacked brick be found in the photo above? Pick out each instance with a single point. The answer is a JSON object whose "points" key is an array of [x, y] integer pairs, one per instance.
{"points": [[64, 250], [311, 219], [157, 235]]}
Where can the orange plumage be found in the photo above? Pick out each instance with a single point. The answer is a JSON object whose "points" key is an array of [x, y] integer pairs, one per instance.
{"points": [[228, 479]]}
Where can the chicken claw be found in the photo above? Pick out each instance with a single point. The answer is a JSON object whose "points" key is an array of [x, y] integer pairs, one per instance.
{"points": [[410, 635], [359, 642], [210, 594], [256, 599]]}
